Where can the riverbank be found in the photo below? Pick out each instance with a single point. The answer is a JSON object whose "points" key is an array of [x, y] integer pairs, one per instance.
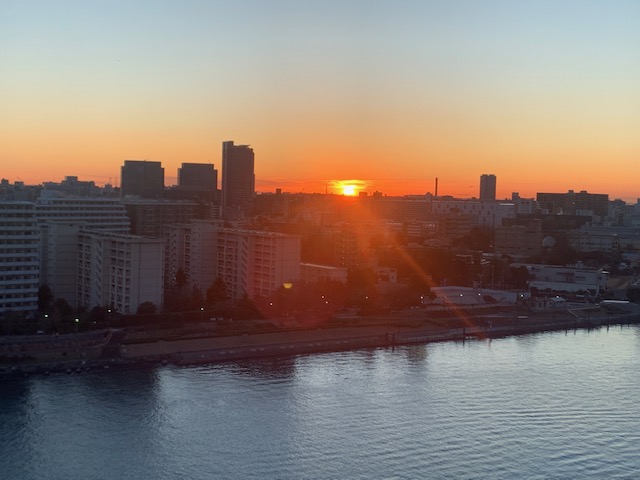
{"points": [[354, 332]]}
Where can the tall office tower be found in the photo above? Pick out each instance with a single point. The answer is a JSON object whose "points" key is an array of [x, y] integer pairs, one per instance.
{"points": [[143, 178], [238, 179], [487, 188], [19, 258], [198, 177]]}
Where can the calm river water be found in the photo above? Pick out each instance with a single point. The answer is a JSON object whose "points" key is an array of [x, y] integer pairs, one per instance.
{"points": [[552, 405]]}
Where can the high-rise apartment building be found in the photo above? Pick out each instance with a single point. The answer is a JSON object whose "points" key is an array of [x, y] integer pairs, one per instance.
{"points": [[120, 271], [238, 178], [19, 258], [59, 259], [250, 262], [106, 214], [142, 178], [148, 217], [487, 188], [257, 263]]}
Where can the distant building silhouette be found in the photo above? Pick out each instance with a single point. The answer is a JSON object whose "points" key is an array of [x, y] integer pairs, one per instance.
{"points": [[198, 182], [572, 203], [238, 178], [487, 188], [198, 177], [142, 178]]}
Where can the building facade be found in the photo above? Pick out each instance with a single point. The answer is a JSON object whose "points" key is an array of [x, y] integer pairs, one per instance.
{"points": [[106, 214], [255, 263], [572, 203], [59, 259], [149, 217], [119, 271], [198, 177], [142, 178], [238, 178], [487, 188], [19, 258], [520, 241]]}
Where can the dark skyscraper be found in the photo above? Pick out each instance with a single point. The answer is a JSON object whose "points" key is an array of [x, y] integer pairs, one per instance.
{"points": [[143, 178], [487, 188], [198, 176], [238, 179]]}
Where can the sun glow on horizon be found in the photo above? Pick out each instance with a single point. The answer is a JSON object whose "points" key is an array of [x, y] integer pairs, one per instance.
{"points": [[348, 188]]}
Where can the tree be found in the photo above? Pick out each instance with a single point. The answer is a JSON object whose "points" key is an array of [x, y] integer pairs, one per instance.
{"points": [[62, 306], [98, 314], [146, 308], [45, 297], [246, 309], [196, 300], [181, 278], [217, 292]]}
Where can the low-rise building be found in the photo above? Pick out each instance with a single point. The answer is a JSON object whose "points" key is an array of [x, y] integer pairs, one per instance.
{"points": [[314, 273], [555, 279]]}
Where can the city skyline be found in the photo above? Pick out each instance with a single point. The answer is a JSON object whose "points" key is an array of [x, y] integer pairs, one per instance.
{"points": [[541, 94]]}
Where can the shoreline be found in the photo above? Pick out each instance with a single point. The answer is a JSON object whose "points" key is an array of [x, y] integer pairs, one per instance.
{"points": [[368, 333]]}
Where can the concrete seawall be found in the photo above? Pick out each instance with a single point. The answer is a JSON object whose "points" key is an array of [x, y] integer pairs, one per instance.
{"points": [[214, 349]]}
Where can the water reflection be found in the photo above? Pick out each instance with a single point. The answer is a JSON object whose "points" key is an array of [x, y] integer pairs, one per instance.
{"points": [[446, 410]]}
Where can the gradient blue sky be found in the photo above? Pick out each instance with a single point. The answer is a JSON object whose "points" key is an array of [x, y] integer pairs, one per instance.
{"points": [[544, 94]]}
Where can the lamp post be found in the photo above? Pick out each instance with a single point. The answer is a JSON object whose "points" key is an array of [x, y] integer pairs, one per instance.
{"points": [[201, 313]]}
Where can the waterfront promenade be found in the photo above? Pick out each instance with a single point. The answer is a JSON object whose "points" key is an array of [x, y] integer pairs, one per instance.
{"points": [[182, 347]]}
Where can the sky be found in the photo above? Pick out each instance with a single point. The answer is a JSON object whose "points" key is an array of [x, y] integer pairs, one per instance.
{"points": [[543, 94]]}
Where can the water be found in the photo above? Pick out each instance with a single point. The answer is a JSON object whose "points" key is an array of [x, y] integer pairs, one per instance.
{"points": [[553, 405]]}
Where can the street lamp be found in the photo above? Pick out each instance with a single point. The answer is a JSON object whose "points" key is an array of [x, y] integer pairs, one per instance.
{"points": [[201, 313], [77, 322]]}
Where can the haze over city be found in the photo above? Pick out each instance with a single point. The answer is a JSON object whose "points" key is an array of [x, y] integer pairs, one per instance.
{"points": [[388, 94]]}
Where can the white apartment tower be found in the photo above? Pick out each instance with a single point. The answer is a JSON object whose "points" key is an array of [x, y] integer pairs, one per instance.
{"points": [[120, 271], [59, 259], [106, 214], [255, 263], [19, 258]]}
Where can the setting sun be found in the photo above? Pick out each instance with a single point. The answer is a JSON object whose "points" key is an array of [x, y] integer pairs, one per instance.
{"points": [[349, 190]]}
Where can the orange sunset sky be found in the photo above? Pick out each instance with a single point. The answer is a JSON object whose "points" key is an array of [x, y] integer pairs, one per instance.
{"points": [[543, 94]]}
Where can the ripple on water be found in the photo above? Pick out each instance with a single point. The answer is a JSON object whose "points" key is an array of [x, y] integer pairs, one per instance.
{"points": [[552, 405]]}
